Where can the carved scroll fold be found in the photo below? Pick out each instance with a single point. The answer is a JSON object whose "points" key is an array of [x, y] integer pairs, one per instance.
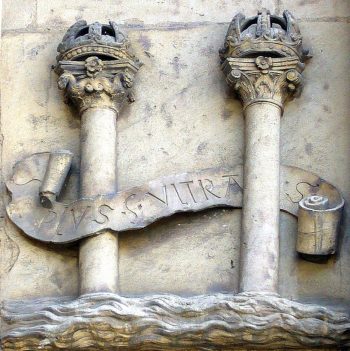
{"points": [[318, 222], [140, 206], [130, 209], [56, 173]]}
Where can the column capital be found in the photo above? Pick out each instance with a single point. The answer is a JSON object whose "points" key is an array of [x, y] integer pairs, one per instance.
{"points": [[264, 79], [263, 57], [96, 67]]}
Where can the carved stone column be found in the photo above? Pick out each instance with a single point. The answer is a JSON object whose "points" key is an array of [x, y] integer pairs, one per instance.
{"points": [[262, 59], [96, 70]]}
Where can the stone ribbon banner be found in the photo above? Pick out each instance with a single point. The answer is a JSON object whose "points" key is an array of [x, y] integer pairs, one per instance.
{"points": [[140, 206]]}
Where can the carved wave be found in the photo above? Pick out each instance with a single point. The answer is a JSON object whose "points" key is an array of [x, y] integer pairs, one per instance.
{"points": [[167, 322]]}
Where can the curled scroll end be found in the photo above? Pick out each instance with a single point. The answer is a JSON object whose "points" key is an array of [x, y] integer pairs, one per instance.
{"points": [[47, 199], [318, 226], [56, 172]]}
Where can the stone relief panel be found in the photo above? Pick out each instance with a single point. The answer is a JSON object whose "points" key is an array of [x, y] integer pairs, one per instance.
{"points": [[53, 200]]}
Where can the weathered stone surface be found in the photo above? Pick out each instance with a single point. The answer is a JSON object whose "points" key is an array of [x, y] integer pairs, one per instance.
{"points": [[19, 14], [50, 13], [320, 114], [159, 322], [44, 122], [34, 123], [212, 266], [262, 59], [96, 70], [131, 209], [168, 133], [318, 226], [138, 207], [314, 130], [317, 9], [26, 272], [184, 122], [53, 126]]}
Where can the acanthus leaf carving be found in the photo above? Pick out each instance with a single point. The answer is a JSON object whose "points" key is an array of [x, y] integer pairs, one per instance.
{"points": [[264, 78], [90, 84]]}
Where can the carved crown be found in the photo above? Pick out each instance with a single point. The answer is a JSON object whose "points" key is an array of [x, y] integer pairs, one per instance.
{"points": [[103, 40], [96, 66], [261, 34]]}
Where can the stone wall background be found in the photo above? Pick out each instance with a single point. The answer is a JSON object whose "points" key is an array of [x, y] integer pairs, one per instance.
{"points": [[184, 119]]}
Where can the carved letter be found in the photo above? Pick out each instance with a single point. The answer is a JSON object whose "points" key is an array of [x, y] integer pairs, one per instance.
{"points": [[47, 218], [127, 206], [78, 219], [232, 183], [202, 187], [208, 188], [165, 194], [178, 195], [189, 189], [104, 215]]}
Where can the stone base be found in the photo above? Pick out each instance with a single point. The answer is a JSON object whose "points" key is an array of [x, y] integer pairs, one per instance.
{"points": [[166, 322]]}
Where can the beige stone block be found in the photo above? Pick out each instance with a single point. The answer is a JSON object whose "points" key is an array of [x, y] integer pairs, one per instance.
{"points": [[60, 14], [30, 269], [185, 121], [187, 255], [33, 115], [30, 123], [18, 14], [315, 132], [313, 9], [326, 283], [316, 126]]}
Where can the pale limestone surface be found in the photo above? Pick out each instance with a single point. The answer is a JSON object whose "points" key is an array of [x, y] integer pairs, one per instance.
{"points": [[98, 256], [324, 10], [261, 198], [19, 14], [184, 119], [315, 136], [140, 12]]}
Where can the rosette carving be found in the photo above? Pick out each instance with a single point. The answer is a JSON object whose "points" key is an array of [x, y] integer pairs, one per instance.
{"points": [[93, 66]]}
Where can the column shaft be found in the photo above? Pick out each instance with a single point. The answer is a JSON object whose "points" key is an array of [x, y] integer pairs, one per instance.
{"points": [[260, 222], [98, 256]]}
